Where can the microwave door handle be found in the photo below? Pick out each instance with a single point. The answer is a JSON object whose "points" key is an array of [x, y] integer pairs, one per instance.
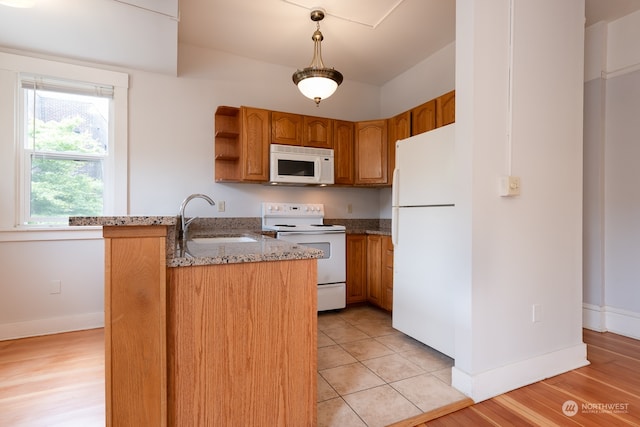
{"points": [[317, 170]]}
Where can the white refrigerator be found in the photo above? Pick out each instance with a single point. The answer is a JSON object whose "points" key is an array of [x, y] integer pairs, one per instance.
{"points": [[423, 230]]}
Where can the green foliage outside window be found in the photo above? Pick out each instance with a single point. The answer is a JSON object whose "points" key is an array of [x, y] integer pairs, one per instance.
{"points": [[65, 179]]}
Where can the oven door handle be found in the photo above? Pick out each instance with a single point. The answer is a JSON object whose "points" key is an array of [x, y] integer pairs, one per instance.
{"points": [[308, 233]]}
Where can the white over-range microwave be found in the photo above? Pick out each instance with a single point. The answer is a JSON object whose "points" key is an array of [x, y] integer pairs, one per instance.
{"points": [[291, 164]]}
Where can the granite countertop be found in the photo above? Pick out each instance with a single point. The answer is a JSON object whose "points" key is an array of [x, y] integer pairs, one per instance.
{"points": [[264, 248]]}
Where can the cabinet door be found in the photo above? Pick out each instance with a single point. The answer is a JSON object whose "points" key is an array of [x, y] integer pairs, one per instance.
{"points": [[255, 144], [374, 268], [399, 128], [423, 117], [356, 268], [446, 109], [286, 128], [387, 273], [371, 152], [343, 140], [318, 132]]}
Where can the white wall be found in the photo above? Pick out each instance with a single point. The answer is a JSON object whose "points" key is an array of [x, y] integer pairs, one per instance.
{"points": [[612, 199], [526, 250], [111, 32], [27, 306], [428, 79], [170, 156]]}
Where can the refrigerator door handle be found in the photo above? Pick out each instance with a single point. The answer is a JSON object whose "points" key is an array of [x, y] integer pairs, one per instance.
{"points": [[394, 225], [395, 186]]}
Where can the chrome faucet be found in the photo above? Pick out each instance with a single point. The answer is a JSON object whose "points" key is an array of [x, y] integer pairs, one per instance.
{"points": [[182, 224]]}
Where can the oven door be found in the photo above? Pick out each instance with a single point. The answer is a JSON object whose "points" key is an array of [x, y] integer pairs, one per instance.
{"points": [[332, 267]]}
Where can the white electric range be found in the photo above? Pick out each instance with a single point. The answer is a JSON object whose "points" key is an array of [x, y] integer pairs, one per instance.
{"points": [[302, 223]]}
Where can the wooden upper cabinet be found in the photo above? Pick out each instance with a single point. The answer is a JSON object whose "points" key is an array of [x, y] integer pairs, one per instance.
{"points": [[286, 128], [399, 127], [423, 117], [255, 144], [241, 144], [318, 132], [446, 109], [343, 141], [371, 152]]}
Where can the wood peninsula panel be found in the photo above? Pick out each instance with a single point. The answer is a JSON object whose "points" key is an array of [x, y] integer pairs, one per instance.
{"points": [[242, 344], [135, 325]]}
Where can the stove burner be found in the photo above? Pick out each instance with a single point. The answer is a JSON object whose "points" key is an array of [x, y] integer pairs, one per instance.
{"points": [[283, 225]]}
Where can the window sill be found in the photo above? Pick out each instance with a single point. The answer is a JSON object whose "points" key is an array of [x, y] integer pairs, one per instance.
{"points": [[33, 234]]}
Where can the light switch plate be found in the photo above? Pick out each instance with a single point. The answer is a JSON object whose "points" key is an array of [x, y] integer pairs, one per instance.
{"points": [[509, 186]]}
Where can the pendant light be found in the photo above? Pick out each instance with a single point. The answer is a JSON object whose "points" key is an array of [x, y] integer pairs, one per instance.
{"points": [[317, 82]]}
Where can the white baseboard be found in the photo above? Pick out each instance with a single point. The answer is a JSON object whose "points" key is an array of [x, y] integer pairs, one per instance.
{"points": [[611, 319], [492, 383], [53, 325], [593, 318]]}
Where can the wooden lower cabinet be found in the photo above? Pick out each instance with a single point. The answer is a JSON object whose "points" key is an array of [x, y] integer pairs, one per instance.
{"points": [[242, 344], [387, 273], [356, 268], [380, 271], [374, 269]]}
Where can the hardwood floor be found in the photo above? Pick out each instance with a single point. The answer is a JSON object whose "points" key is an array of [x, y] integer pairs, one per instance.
{"points": [[53, 380], [58, 380], [606, 393]]}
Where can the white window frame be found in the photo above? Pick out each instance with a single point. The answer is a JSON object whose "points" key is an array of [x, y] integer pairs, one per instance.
{"points": [[116, 169]]}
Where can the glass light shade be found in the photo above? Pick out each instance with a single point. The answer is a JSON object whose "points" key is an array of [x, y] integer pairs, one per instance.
{"points": [[317, 87]]}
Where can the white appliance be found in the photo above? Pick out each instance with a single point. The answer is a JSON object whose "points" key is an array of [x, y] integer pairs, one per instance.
{"points": [[423, 233], [291, 164], [303, 223]]}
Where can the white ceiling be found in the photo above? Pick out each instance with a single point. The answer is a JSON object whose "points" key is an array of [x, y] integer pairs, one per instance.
{"points": [[279, 32], [371, 41]]}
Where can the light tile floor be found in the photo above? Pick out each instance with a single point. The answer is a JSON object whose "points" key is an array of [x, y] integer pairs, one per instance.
{"points": [[370, 374]]}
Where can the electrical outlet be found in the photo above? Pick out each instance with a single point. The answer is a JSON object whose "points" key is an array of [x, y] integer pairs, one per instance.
{"points": [[221, 206], [349, 208]]}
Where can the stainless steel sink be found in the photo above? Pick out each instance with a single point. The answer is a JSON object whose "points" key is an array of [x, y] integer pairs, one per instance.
{"points": [[223, 239]]}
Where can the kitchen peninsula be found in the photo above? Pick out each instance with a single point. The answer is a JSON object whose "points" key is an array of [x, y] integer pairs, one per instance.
{"points": [[206, 334]]}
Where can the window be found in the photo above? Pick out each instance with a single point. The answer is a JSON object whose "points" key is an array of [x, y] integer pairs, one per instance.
{"points": [[63, 146], [66, 145]]}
